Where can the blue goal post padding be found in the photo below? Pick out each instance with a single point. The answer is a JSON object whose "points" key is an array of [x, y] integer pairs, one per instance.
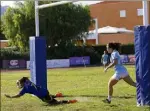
{"points": [[38, 69], [142, 56]]}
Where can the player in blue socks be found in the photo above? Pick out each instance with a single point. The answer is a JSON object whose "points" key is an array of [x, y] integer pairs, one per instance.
{"points": [[29, 87]]}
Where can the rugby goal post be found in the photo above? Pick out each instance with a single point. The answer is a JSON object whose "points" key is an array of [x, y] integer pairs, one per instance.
{"points": [[145, 12], [37, 7], [38, 64]]}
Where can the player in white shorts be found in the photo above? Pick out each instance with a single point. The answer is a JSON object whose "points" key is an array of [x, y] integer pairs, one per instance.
{"points": [[120, 71]]}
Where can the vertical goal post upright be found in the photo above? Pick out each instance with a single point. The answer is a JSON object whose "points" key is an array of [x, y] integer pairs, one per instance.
{"points": [[38, 65], [142, 53]]}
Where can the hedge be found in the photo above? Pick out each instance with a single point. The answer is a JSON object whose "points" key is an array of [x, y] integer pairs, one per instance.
{"points": [[95, 52], [13, 53]]}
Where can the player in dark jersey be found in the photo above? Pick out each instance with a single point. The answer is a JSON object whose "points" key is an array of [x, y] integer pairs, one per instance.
{"points": [[29, 87]]}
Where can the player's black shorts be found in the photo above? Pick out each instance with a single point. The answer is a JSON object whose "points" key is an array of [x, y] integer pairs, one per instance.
{"points": [[49, 99]]}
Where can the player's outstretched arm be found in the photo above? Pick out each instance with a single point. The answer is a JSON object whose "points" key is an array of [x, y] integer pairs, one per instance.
{"points": [[15, 96], [111, 65]]}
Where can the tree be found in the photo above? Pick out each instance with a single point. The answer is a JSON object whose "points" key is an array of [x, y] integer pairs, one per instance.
{"points": [[60, 24], [1, 35], [18, 24]]}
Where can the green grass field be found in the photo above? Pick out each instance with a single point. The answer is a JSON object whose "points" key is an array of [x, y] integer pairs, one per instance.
{"points": [[87, 85]]}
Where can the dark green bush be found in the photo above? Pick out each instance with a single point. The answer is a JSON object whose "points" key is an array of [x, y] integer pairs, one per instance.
{"points": [[95, 52], [13, 53]]}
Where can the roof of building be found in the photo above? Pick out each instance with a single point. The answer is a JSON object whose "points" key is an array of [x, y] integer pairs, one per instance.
{"points": [[109, 29], [88, 2]]}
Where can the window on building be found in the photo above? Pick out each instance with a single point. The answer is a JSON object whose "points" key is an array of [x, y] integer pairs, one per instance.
{"points": [[140, 12], [122, 13]]}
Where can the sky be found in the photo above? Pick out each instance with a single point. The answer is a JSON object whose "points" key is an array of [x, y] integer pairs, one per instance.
{"points": [[4, 3], [11, 3]]}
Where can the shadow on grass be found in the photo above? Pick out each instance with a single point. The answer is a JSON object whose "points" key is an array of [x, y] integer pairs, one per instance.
{"points": [[56, 104], [53, 104], [95, 96], [101, 96]]}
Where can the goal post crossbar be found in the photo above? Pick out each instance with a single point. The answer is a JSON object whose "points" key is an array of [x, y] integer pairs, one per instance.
{"points": [[37, 7], [53, 4]]}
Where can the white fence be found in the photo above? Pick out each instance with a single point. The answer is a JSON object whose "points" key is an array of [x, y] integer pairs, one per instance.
{"points": [[59, 63]]}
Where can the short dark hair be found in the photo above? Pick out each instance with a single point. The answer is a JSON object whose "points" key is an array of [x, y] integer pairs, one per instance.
{"points": [[114, 46], [106, 51], [23, 79]]}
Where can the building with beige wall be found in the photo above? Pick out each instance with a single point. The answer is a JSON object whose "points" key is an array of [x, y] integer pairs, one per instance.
{"points": [[121, 14], [3, 43], [123, 38], [118, 14]]}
